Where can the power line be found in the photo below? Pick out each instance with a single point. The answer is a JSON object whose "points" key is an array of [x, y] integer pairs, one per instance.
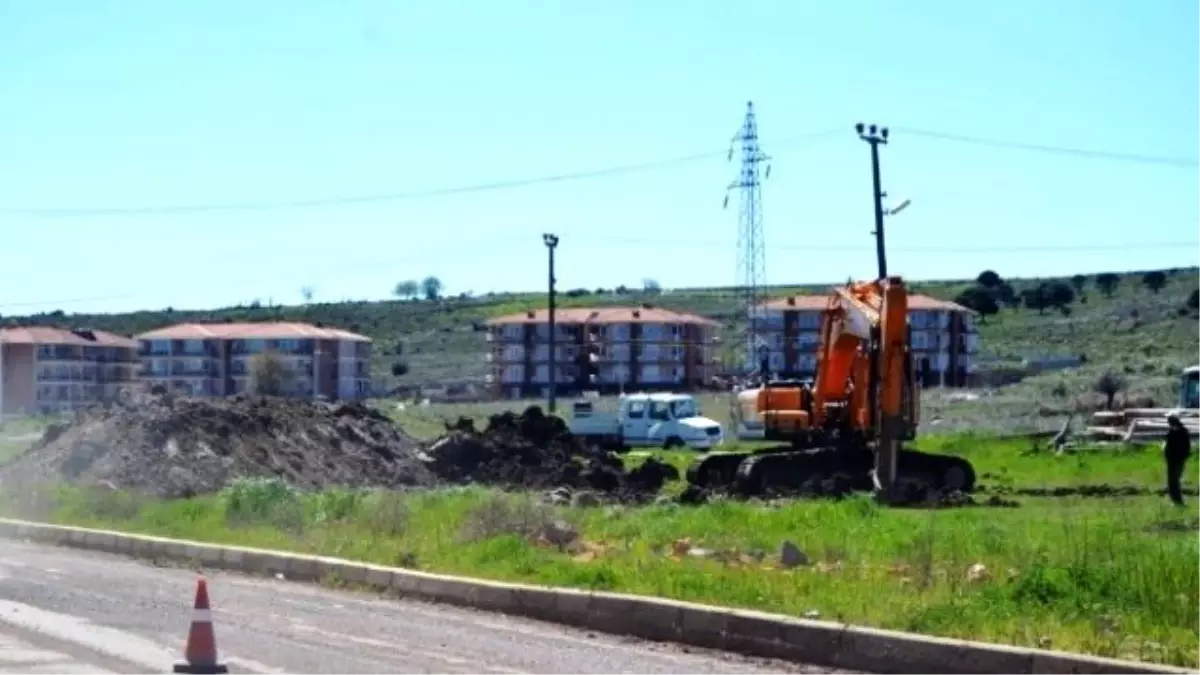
{"points": [[325, 202], [393, 196], [442, 254], [1131, 246], [71, 301], [1058, 150]]}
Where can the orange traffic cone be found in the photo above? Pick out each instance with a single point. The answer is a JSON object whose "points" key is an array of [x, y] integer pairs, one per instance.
{"points": [[201, 649]]}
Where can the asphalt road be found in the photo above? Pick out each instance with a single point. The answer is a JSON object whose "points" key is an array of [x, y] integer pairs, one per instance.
{"points": [[71, 611]]}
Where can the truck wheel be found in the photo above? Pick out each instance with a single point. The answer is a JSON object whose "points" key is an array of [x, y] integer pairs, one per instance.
{"points": [[673, 442]]}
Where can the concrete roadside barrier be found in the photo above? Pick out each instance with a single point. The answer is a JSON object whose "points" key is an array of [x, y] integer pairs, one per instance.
{"points": [[745, 632]]}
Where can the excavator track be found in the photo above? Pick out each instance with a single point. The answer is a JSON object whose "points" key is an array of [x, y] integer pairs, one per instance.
{"points": [[830, 470]]}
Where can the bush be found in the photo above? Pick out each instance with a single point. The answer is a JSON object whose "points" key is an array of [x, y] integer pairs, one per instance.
{"points": [[271, 502], [1109, 385], [269, 375]]}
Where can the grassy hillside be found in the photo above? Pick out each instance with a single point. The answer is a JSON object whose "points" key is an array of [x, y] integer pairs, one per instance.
{"points": [[1139, 332]]}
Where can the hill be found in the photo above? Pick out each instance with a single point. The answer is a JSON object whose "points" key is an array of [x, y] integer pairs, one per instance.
{"points": [[1136, 330]]}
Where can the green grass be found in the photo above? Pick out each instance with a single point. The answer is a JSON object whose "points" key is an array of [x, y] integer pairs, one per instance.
{"points": [[443, 340], [1116, 577]]}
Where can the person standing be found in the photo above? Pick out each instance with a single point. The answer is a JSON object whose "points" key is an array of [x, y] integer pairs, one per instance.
{"points": [[1176, 450]]}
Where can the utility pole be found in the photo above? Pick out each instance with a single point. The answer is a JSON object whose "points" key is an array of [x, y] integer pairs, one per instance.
{"points": [[876, 136], [551, 242]]}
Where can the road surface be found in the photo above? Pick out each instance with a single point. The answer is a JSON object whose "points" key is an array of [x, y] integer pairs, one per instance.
{"points": [[63, 610]]}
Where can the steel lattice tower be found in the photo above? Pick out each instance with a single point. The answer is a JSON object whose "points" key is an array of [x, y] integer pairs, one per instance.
{"points": [[752, 252]]}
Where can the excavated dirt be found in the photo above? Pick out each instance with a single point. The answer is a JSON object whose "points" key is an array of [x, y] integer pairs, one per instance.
{"points": [[177, 447], [536, 451], [173, 447]]}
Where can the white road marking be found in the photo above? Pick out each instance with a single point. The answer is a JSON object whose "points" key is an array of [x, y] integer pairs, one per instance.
{"points": [[252, 666], [100, 639], [470, 665], [127, 647], [19, 657]]}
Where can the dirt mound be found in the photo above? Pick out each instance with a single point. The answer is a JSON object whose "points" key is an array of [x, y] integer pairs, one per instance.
{"points": [[537, 451], [176, 447]]}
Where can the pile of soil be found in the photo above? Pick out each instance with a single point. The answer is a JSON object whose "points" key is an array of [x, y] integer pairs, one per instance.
{"points": [[171, 446], [537, 451]]}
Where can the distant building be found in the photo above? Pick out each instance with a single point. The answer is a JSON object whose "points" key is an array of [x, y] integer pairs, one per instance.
{"points": [[605, 349], [213, 359], [47, 370], [944, 339]]}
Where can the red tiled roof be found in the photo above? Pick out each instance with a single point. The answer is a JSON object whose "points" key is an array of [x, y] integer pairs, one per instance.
{"points": [[819, 302], [604, 315], [48, 335], [267, 330]]}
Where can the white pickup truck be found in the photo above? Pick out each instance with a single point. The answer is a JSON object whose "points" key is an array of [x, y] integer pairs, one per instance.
{"points": [[1189, 390], [648, 420]]}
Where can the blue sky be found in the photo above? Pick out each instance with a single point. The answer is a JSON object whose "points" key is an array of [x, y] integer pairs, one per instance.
{"points": [[144, 103]]}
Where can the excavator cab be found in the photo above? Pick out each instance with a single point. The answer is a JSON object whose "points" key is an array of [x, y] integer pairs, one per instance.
{"points": [[785, 409]]}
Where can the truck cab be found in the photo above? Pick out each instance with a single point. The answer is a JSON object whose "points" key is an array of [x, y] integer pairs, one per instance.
{"points": [[1189, 391], [649, 420]]}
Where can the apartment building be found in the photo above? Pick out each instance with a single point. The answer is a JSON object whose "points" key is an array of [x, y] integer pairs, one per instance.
{"points": [[214, 359], [944, 339], [605, 349], [47, 370]]}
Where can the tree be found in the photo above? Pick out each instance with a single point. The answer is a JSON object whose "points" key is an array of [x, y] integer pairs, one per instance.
{"points": [[406, 289], [269, 375], [1109, 384], [1057, 293], [1193, 301], [1107, 282], [307, 293], [1004, 294], [399, 369], [1154, 280], [1035, 298], [1079, 282], [651, 286], [431, 287], [988, 279], [979, 299]]}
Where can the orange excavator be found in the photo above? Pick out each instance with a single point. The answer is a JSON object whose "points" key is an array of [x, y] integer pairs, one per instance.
{"points": [[850, 424]]}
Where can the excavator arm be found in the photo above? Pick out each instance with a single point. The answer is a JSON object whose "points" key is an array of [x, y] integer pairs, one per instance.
{"points": [[864, 370]]}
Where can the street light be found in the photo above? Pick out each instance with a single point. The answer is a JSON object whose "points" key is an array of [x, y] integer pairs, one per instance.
{"points": [[899, 207], [551, 242]]}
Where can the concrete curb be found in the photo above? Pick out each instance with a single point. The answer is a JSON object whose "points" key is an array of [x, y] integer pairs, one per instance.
{"points": [[745, 632]]}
